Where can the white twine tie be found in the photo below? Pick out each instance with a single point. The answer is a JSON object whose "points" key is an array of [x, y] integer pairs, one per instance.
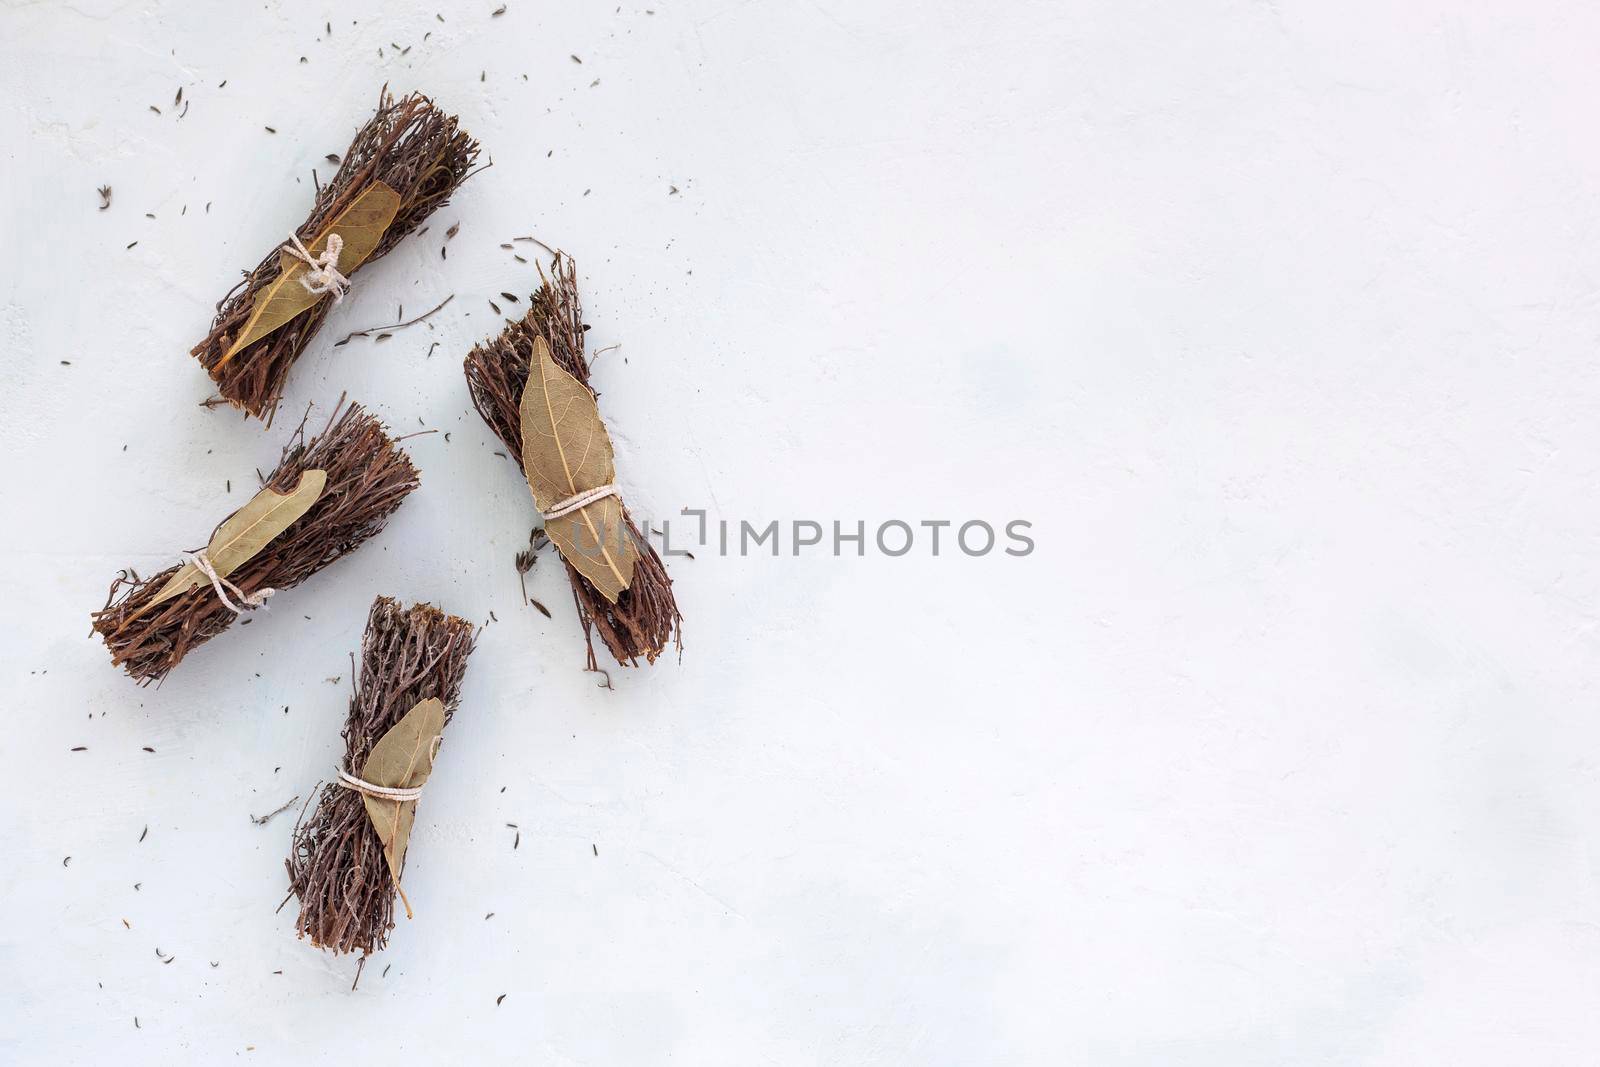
{"points": [[222, 585], [580, 500], [324, 276], [385, 792], [350, 781]]}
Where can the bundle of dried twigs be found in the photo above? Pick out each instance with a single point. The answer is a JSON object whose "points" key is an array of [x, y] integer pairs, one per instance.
{"points": [[367, 477], [410, 146], [337, 867], [645, 616]]}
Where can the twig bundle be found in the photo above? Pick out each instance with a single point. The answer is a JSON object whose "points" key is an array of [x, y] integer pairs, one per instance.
{"points": [[368, 475], [337, 867], [409, 145], [645, 616]]}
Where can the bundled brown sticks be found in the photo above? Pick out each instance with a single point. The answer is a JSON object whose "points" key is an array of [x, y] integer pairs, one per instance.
{"points": [[618, 581], [326, 497], [348, 856], [402, 166]]}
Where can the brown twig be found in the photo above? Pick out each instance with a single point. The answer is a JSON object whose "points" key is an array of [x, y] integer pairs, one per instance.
{"points": [[337, 868], [409, 145], [262, 820], [395, 326], [645, 616]]}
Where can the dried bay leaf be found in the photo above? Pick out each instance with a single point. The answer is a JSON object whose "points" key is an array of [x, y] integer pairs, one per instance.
{"points": [[566, 451], [361, 225], [402, 759], [247, 531]]}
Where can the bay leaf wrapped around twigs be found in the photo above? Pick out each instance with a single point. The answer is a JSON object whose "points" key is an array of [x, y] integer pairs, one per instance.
{"points": [[364, 476], [531, 385], [247, 531], [400, 168], [402, 759], [348, 855], [567, 452], [359, 227]]}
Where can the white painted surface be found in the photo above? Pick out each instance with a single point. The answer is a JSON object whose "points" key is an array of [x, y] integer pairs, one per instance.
{"points": [[1278, 321]]}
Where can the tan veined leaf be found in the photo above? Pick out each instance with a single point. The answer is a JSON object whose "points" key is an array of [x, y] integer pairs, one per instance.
{"points": [[566, 451], [361, 225], [402, 759], [247, 531]]}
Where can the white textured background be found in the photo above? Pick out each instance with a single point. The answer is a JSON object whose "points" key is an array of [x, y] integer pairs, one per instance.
{"points": [[1278, 320]]}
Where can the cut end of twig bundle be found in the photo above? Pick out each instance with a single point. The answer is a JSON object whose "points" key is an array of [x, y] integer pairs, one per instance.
{"points": [[411, 147], [338, 869], [644, 618]]}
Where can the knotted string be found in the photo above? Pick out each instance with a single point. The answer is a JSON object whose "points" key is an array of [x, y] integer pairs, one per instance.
{"points": [[580, 500], [222, 585], [386, 792], [324, 276], [383, 792]]}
